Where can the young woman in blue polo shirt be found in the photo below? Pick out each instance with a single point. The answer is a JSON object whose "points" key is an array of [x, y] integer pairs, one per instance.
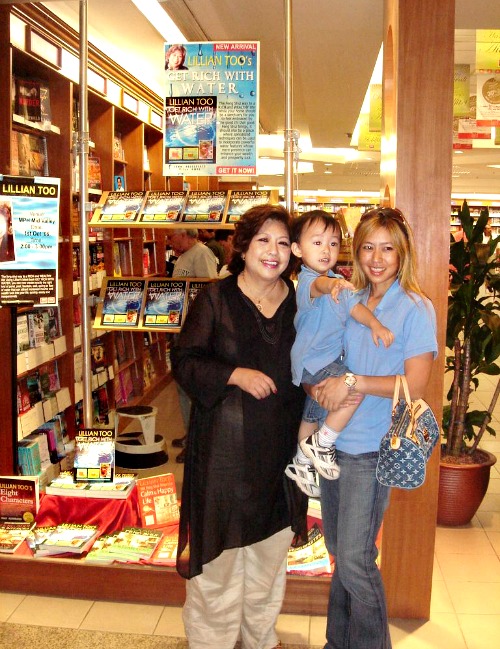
{"points": [[353, 506]]}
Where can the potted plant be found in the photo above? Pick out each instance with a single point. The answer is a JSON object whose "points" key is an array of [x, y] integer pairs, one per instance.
{"points": [[473, 335]]}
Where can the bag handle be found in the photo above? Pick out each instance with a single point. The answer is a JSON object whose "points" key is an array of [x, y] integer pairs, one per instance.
{"points": [[401, 380]]}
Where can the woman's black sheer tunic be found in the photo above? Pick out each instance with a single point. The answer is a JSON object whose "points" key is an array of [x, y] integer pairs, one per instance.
{"points": [[234, 490]]}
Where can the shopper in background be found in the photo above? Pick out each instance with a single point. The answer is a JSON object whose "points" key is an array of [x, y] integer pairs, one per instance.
{"points": [[384, 268], [193, 260], [209, 239], [225, 238], [239, 512]]}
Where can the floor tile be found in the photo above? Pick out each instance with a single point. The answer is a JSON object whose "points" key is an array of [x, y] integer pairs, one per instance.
{"points": [[475, 598], [442, 632], [8, 604], [122, 617], [470, 567], [51, 611], [461, 540], [480, 631], [440, 599], [489, 520], [491, 503], [293, 629], [170, 623], [494, 538], [317, 630]]}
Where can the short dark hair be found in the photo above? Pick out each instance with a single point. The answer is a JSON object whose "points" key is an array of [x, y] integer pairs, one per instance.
{"points": [[314, 216], [248, 226], [223, 234]]}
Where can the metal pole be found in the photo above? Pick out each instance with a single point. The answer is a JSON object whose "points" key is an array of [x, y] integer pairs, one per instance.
{"points": [[83, 153], [288, 143]]}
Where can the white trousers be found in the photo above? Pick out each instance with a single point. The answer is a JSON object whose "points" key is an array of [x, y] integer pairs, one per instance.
{"points": [[239, 593]]}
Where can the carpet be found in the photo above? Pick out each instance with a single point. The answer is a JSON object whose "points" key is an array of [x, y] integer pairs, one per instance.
{"points": [[21, 636]]}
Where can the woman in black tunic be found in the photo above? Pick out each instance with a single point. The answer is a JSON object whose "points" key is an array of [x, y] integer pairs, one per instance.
{"points": [[238, 511]]}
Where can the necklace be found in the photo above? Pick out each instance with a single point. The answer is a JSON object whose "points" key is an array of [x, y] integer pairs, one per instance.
{"points": [[258, 301]]}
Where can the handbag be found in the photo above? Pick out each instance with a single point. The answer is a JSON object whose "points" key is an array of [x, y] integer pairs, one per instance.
{"points": [[409, 442]]}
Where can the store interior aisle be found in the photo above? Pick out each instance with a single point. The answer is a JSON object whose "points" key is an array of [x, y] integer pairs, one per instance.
{"points": [[465, 605]]}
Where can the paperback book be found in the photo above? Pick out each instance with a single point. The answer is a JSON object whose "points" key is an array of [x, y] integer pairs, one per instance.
{"points": [[119, 207], [241, 200], [94, 455], [19, 499], [163, 207], [166, 552], [27, 99], [205, 206], [94, 172], [12, 535], [122, 302], [158, 500], [65, 484], [312, 557], [134, 544], [164, 303], [61, 539], [194, 287]]}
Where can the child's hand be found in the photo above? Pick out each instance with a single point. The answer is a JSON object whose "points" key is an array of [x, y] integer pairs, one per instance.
{"points": [[385, 335], [339, 285]]}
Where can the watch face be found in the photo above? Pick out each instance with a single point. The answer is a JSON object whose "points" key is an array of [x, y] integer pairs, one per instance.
{"points": [[350, 380]]}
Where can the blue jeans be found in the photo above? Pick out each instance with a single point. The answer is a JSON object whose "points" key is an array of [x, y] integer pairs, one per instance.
{"points": [[313, 412], [353, 508]]}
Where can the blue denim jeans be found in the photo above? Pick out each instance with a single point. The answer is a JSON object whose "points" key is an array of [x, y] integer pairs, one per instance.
{"points": [[353, 508], [313, 412]]}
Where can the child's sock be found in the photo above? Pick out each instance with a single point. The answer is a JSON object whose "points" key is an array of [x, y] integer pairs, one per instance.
{"points": [[301, 457], [327, 436]]}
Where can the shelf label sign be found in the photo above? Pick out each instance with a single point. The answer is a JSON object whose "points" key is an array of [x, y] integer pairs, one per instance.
{"points": [[29, 239], [211, 109]]}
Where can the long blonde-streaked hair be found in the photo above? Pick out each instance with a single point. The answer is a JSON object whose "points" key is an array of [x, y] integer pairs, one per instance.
{"points": [[401, 235]]}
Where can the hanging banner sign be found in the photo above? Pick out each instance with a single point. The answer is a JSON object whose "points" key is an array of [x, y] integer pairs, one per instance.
{"points": [[29, 237], [461, 90], [375, 119], [211, 109], [488, 100], [488, 50]]}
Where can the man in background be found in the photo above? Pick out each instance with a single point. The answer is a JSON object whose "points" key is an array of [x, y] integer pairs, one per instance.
{"points": [[209, 238]]}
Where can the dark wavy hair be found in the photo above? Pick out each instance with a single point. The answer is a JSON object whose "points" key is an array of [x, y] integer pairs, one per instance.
{"points": [[249, 225]]}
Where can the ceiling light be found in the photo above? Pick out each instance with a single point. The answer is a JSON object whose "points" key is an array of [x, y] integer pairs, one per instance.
{"points": [[160, 20]]}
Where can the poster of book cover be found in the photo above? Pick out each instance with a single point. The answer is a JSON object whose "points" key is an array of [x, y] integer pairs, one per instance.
{"points": [[211, 108], [94, 455], [29, 237], [120, 207], [164, 304], [122, 302], [241, 200], [488, 100], [205, 206], [163, 207]]}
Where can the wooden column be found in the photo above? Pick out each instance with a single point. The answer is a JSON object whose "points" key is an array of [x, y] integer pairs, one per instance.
{"points": [[416, 170]]}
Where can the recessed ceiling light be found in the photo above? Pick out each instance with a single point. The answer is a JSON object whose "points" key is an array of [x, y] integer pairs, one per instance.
{"points": [[328, 164]]}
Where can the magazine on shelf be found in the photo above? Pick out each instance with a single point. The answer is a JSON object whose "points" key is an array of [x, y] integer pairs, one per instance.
{"points": [[241, 200], [164, 303], [120, 488], [163, 207], [12, 535], [205, 207], [119, 207], [122, 302], [94, 455], [19, 498], [158, 500]]}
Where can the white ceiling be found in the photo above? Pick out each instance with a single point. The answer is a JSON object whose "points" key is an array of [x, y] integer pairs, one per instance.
{"points": [[335, 46]]}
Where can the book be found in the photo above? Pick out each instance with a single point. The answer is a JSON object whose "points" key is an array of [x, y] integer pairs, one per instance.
{"points": [[45, 107], [190, 129], [134, 543], [194, 287], [312, 557], [126, 384], [94, 172], [120, 488], [27, 99], [205, 206], [157, 497], [99, 552], [19, 499], [119, 207], [94, 455], [12, 535], [166, 552], [36, 328], [38, 160], [28, 455], [23, 340], [65, 538], [164, 303], [118, 153], [241, 200], [163, 207], [122, 302]]}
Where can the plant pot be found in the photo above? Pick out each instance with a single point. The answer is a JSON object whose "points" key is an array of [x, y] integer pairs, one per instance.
{"points": [[462, 488]]}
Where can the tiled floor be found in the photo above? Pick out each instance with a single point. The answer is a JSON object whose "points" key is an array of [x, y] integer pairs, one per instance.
{"points": [[465, 606]]}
